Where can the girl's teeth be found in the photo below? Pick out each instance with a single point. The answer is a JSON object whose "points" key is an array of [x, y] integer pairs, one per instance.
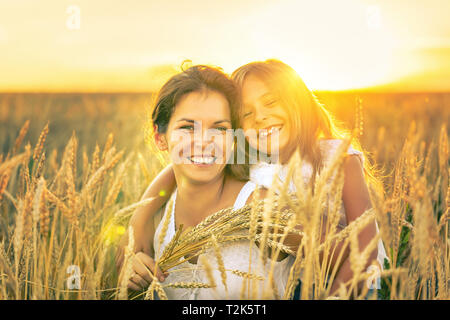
{"points": [[266, 133]]}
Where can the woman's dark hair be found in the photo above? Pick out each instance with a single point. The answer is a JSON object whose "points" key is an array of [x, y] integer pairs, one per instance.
{"points": [[197, 79]]}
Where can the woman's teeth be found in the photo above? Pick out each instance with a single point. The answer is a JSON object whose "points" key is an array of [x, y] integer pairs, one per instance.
{"points": [[265, 133], [202, 160]]}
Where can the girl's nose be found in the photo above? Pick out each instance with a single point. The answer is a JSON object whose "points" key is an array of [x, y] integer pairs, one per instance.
{"points": [[260, 116]]}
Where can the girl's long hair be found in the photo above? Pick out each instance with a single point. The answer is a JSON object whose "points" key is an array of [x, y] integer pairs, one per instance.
{"points": [[310, 120]]}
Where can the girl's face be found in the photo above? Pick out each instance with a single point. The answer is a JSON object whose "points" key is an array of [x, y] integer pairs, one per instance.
{"points": [[199, 155], [262, 110]]}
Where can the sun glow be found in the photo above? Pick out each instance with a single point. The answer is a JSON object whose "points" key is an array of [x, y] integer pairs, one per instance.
{"points": [[340, 51], [333, 45]]}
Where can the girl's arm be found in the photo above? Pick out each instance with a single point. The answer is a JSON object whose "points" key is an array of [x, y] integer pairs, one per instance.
{"points": [[160, 189], [293, 240], [355, 196]]}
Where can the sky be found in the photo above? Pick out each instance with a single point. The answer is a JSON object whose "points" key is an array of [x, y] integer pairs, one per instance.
{"points": [[136, 45]]}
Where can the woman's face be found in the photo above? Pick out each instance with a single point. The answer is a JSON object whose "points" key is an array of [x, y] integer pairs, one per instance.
{"points": [[197, 137], [262, 110]]}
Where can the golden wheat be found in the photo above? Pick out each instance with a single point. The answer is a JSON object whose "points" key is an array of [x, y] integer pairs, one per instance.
{"points": [[54, 215]]}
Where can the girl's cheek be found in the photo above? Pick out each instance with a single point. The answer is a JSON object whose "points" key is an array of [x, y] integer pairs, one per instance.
{"points": [[246, 124]]}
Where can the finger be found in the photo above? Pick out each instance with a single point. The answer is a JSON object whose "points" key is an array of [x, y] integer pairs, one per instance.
{"points": [[150, 263], [141, 269], [137, 279], [133, 286]]}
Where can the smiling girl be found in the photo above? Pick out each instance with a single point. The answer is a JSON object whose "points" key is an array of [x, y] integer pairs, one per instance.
{"points": [[277, 100]]}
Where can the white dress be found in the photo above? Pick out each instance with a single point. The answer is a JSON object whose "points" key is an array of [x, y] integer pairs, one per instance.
{"points": [[263, 174], [235, 255]]}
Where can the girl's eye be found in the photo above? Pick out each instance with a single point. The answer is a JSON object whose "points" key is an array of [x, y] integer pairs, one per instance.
{"points": [[187, 127], [247, 114], [271, 103], [222, 128]]}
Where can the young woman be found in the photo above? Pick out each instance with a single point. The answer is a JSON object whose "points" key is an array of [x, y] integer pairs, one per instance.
{"points": [[277, 100], [203, 97]]}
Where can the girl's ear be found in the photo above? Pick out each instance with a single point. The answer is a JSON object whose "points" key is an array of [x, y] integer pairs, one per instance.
{"points": [[160, 139]]}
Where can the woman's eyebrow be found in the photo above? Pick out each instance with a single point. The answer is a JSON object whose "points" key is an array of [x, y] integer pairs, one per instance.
{"points": [[193, 121], [216, 122]]}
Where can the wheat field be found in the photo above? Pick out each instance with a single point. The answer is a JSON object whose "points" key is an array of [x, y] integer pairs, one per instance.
{"points": [[73, 168]]}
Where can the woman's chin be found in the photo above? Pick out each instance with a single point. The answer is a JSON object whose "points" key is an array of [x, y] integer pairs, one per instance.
{"points": [[197, 174]]}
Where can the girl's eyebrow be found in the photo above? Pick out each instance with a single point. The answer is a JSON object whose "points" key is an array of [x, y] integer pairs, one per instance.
{"points": [[267, 95], [263, 96]]}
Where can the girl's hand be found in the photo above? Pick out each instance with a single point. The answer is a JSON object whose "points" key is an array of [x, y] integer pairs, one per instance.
{"points": [[143, 271]]}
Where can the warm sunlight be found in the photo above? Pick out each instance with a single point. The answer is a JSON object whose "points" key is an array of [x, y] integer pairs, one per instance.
{"points": [[334, 45], [194, 150], [332, 51]]}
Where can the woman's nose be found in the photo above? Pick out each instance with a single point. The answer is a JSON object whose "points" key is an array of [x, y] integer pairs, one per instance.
{"points": [[202, 138]]}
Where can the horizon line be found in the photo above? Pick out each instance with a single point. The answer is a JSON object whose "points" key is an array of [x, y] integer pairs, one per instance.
{"points": [[378, 91]]}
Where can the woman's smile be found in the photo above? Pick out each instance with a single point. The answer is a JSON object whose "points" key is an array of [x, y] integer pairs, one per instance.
{"points": [[202, 161]]}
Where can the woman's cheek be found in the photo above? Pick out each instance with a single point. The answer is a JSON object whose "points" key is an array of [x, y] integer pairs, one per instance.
{"points": [[180, 146]]}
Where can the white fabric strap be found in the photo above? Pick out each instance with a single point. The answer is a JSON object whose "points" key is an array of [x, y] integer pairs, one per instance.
{"points": [[243, 195]]}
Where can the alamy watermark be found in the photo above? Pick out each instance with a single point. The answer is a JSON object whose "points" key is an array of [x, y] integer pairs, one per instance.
{"points": [[74, 280], [372, 281], [73, 21], [373, 17]]}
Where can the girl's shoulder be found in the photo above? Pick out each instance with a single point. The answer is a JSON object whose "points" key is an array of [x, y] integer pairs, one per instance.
{"points": [[329, 147]]}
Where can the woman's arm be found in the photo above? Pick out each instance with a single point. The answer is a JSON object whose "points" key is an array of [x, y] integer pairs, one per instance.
{"points": [[143, 264], [355, 196]]}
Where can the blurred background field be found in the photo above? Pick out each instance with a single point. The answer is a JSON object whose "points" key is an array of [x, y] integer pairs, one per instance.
{"points": [[386, 118], [67, 189], [95, 164]]}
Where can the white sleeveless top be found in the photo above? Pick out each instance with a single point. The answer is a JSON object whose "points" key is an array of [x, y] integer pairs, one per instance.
{"points": [[263, 174], [236, 256]]}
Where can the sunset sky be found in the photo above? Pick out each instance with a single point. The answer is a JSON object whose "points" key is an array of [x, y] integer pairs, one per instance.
{"points": [[134, 45]]}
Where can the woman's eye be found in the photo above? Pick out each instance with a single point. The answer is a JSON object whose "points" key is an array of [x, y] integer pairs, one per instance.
{"points": [[221, 130], [187, 127], [247, 114]]}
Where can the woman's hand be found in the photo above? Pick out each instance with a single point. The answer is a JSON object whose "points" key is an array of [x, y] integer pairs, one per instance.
{"points": [[143, 271]]}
